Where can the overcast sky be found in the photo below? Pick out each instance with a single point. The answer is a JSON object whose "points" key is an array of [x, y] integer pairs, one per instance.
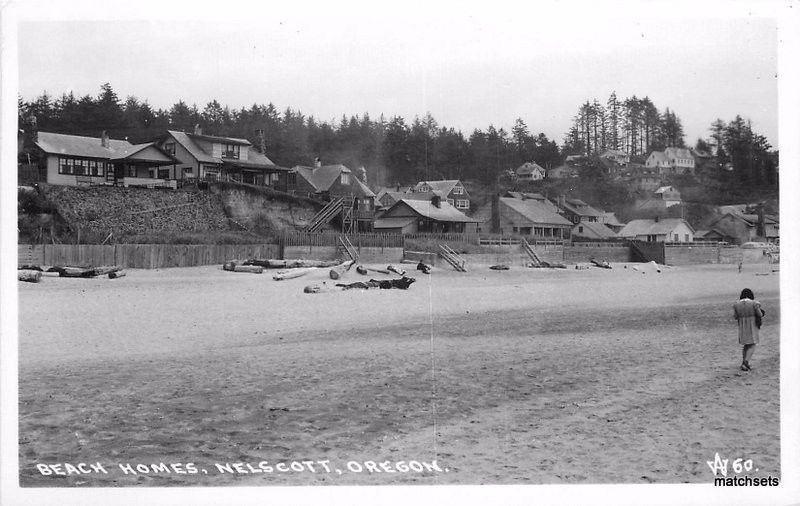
{"points": [[469, 69]]}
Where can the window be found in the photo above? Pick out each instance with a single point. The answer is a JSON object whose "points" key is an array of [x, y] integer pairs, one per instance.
{"points": [[131, 171], [458, 190], [451, 202], [686, 237], [580, 229], [462, 204], [230, 151], [169, 148], [187, 170], [163, 173], [344, 178]]}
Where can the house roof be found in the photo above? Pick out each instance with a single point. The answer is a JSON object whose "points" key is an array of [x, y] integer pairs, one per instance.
{"points": [[673, 152], [226, 140], [595, 228], [196, 151], [613, 152], [665, 189], [535, 211], [322, 178], [398, 222], [78, 145], [581, 208], [658, 156], [529, 168], [652, 227], [444, 186], [610, 219], [445, 212]]}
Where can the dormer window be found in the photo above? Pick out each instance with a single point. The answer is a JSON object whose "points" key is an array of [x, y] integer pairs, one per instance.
{"points": [[169, 148], [230, 151], [344, 178]]}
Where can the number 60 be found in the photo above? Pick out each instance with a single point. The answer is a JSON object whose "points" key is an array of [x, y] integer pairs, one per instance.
{"points": [[738, 465]]}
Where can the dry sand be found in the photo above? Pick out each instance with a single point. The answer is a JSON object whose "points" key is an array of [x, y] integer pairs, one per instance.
{"points": [[521, 376]]}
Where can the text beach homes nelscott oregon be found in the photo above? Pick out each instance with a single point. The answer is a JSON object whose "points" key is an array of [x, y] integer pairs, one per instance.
{"points": [[74, 160]]}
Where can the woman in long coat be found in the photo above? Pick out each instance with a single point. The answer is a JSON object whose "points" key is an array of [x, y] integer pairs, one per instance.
{"points": [[748, 314]]}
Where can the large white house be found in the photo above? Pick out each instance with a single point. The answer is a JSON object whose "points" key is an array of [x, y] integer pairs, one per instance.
{"points": [[671, 161], [658, 230]]}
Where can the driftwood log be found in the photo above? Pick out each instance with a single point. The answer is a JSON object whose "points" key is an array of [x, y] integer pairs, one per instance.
{"points": [[337, 271], [381, 271], [75, 272], [361, 270], [116, 274], [399, 272], [28, 267], [29, 275], [106, 269], [290, 264], [229, 266], [253, 269], [293, 273]]}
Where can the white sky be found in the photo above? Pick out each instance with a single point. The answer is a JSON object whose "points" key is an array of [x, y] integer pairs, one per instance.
{"points": [[468, 67]]}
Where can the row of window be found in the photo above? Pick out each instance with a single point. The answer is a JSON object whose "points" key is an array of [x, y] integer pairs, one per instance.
{"points": [[230, 151], [81, 167]]}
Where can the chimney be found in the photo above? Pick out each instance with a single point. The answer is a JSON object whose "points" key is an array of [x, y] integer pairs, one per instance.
{"points": [[262, 141], [317, 163], [496, 213], [104, 139], [760, 230], [197, 129], [436, 201]]}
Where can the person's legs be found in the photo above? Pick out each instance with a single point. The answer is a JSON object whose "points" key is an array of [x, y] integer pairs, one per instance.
{"points": [[748, 354]]}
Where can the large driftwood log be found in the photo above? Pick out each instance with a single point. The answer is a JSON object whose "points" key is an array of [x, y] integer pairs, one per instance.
{"points": [[254, 269], [290, 263], [29, 275], [107, 269], [396, 270], [382, 271], [293, 273], [336, 272], [116, 274], [76, 272]]}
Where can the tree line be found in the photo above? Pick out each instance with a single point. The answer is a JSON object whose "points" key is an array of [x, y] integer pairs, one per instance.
{"points": [[393, 150], [633, 125]]}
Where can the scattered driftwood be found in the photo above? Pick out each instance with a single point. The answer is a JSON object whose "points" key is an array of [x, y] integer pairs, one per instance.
{"points": [[229, 266], [337, 271], [319, 288], [399, 272], [28, 267], [293, 273], [603, 265], [499, 267], [117, 274], [29, 275], [361, 270], [380, 271], [290, 264], [385, 284], [425, 268], [408, 261]]}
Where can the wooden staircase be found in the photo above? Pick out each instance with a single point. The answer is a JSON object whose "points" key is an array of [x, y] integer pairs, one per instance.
{"points": [[452, 258], [348, 222], [642, 251], [347, 248], [527, 248], [325, 215]]}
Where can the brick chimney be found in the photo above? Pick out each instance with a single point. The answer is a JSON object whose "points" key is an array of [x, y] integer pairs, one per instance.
{"points": [[262, 141], [104, 139], [317, 163], [495, 213], [197, 129]]}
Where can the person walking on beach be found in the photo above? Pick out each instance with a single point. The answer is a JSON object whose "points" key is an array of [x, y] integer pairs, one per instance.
{"points": [[748, 314]]}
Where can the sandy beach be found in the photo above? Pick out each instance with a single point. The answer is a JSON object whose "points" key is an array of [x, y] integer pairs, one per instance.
{"points": [[521, 376]]}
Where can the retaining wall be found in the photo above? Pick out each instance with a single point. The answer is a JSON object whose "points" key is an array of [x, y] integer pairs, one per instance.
{"points": [[609, 252]]}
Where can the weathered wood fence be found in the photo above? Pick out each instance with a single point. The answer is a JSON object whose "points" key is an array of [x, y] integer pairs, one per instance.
{"points": [[141, 256]]}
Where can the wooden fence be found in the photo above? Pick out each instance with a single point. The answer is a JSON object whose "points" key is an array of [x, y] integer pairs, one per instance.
{"points": [[332, 239], [141, 256]]}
